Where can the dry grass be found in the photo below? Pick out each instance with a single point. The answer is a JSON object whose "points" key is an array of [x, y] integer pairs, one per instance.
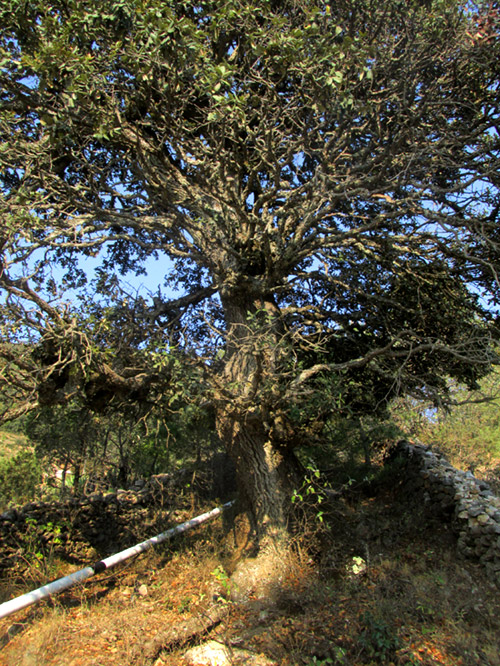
{"points": [[385, 587], [103, 621], [11, 443]]}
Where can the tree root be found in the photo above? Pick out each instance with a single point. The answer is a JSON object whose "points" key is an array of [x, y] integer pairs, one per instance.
{"points": [[181, 634], [254, 578]]}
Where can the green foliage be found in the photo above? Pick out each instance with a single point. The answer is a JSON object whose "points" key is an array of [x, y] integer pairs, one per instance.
{"points": [[378, 640], [119, 447], [31, 544], [468, 433], [309, 501], [15, 427], [11, 441], [20, 478], [351, 449], [38, 548], [319, 181], [224, 580]]}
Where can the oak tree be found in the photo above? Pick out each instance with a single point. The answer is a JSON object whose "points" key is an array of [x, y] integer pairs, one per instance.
{"points": [[318, 179]]}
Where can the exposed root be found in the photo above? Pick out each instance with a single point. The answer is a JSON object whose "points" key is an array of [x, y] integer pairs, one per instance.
{"points": [[261, 577], [183, 633], [253, 578]]}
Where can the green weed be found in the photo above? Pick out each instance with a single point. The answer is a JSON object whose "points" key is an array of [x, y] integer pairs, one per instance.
{"points": [[378, 640]]}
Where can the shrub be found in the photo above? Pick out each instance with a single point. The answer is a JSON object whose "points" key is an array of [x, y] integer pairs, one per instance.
{"points": [[20, 478]]}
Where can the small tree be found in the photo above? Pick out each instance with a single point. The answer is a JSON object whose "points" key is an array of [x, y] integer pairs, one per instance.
{"points": [[20, 478], [320, 180]]}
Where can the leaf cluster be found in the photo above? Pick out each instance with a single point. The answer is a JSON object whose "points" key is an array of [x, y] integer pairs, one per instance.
{"points": [[334, 166]]}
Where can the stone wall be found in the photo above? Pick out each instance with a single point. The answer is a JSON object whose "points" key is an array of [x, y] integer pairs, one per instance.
{"points": [[470, 505], [85, 529], [82, 530]]}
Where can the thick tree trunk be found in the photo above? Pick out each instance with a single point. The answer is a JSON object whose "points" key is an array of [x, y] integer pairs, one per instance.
{"points": [[266, 474], [267, 470]]}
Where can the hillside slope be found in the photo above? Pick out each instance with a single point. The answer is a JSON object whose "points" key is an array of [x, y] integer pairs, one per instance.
{"points": [[383, 584]]}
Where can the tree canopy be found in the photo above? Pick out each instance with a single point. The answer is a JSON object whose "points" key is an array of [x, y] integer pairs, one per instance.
{"points": [[320, 179]]}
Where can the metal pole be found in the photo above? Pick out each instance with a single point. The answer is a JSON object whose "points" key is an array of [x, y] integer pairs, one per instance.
{"points": [[83, 574]]}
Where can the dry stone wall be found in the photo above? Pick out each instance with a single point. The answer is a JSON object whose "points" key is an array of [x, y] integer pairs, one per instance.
{"points": [[94, 526], [469, 503], [81, 530]]}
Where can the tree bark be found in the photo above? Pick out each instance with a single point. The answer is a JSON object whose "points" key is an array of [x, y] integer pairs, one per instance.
{"points": [[267, 470], [266, 474]]}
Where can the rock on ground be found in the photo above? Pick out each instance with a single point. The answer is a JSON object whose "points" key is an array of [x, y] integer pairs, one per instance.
{"points": [[213, 653]]}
